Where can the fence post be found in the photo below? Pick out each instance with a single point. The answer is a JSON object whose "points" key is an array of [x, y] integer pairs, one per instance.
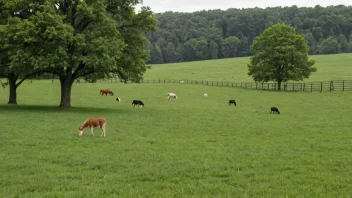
{"points": [[321, 87], [343, 85], [330, 86], [311, 87]]}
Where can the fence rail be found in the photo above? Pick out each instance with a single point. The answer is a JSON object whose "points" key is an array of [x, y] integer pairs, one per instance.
{"points": [[333, 85]]}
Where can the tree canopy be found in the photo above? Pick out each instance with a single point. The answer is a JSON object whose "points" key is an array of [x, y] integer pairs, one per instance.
{"points": [[75, 39], [213, 28], [279, 54]]}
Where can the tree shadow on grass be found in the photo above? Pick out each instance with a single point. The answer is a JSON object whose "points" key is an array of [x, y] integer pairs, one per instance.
{"points": [[51, 108]]}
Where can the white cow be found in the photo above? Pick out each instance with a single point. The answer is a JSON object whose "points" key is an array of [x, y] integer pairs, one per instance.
{"points": [[205, 95], [172, 95]]}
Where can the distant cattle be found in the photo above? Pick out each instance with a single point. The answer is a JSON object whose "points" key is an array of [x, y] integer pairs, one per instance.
{"points": [[274, 110], [182, 82], [232, 102], [172, 95], [138, 102], [118, 100], [93, 123], [106, 92], [205, 95]]}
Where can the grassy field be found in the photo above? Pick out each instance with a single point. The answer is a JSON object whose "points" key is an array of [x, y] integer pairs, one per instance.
{"points": [[194, 147], [330, 67]]}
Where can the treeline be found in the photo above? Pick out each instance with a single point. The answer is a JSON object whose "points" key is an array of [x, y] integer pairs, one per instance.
{"points": [[218, 34]]}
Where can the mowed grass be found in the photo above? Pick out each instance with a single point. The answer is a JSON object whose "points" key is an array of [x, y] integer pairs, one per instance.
{"points": [[330, 67], [194, 147]]}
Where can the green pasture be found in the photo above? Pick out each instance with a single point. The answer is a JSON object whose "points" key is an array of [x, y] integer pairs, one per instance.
{"points": [[330, 67], [194, 147]]}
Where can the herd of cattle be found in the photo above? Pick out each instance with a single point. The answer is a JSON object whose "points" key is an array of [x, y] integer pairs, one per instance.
{"points": [[101, 122], [175, 97]]}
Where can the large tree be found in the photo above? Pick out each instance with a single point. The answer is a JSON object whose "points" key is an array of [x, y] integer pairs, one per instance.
{"points": [[21, 52], [106, 40], [92, 40], [279, 54]]}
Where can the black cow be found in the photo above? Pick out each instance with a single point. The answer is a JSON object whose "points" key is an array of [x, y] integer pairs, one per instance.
{"points": [[232, 102], [138, 102], [274, 110], [118, 100]]}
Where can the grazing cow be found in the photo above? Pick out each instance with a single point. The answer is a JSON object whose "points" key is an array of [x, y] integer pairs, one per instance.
{"points": [[232, 102], [138, 102], [93, 123], [172, 95], [274, 110], [106, 92], [118, 100], [205, 95]]}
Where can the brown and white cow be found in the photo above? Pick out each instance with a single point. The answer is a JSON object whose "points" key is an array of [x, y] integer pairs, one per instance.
{"points": [[93, 123]]}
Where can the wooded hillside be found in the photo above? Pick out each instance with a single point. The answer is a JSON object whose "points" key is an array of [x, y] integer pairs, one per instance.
{"points": [[217, 34]]}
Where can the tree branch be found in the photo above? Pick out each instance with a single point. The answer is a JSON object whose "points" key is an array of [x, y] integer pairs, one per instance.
{"points": [[85, 25], [35, 73], [126, 26], [80, 67], [4, 76]]}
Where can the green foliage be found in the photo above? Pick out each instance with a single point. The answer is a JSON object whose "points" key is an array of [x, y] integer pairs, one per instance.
{"points": [[213, 50], [316, 23], [230, 46], [279, 54], [312, 43], [77, 39], [201, 49], [156, 55], [62, 37], [329, 46], [343, 42]]}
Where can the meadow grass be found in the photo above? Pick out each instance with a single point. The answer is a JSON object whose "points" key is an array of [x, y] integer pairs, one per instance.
{"points": [[330, 67], [194, 147]]}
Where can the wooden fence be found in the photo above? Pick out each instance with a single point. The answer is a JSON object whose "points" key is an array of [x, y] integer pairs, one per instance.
{"points": [[333, 85]]}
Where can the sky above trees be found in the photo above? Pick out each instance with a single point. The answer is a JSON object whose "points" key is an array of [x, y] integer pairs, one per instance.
{"points": [[197, 5]]}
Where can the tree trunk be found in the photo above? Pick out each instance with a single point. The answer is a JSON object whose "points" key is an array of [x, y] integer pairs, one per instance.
{"points": [[13, 91], [279, 85], [66, 85]]}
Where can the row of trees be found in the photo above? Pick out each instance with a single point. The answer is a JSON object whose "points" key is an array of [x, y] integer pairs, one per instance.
{"points": [[72, 39], [223, 34]]}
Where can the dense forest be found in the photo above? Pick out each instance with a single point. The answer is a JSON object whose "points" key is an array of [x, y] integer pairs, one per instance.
{"points": [[215, 34]]}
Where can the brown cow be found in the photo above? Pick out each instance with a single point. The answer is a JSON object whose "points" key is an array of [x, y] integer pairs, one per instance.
{"points": [[106, 92], [93, 123]]}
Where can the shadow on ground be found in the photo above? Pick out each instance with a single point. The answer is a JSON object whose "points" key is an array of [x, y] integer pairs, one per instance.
{"points": [[50, 108]]}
